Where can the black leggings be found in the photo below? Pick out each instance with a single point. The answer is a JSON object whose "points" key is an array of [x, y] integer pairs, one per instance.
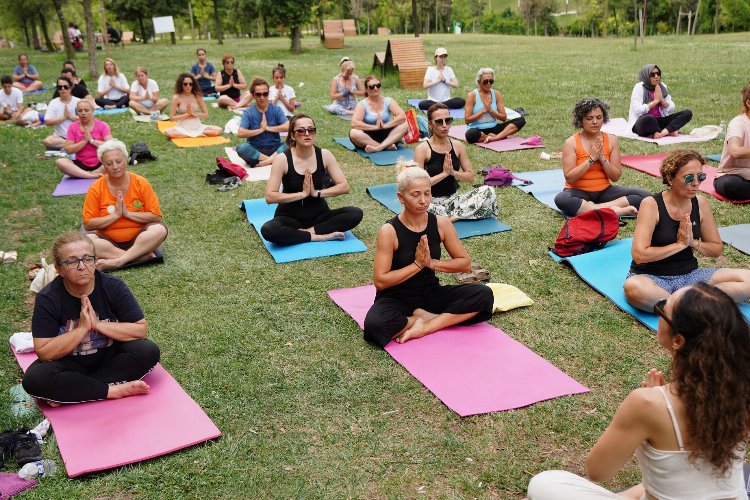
{"points": [[285, 230], [75, 379], [569, 201], [733, 187], [122, 102], [648, 125], [452, 103], [473, 134]]}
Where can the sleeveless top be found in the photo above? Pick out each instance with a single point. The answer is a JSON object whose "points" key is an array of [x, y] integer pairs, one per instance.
{"points": [[486, 120], [669, 475], [425, 280], [232, 92], [665, 233], [348, 101], [595, 179], [449, 185], [371, 117], [292, 182]]}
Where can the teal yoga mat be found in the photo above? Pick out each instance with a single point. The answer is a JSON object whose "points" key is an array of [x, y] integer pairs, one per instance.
{"points": [[738, 236], [259, 212], [456, 114], [545, 184], [385, 194], [716, 158], [113, 111], [380, 158]]}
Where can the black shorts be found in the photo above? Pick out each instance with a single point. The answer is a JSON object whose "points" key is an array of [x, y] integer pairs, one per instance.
{"points": [[378, 135], [86, 167]]}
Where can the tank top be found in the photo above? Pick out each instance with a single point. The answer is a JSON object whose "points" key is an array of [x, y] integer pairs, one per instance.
{"points": [[293, 182], [449, 185], [595, 179], [486, 120], [348, 101], [385, 116], [232, 92], [425, 280], [665, 233], [669, 475]]}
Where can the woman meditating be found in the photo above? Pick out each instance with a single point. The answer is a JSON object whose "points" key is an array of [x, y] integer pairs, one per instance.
{"points": [[280, 93], [378, 122], [438, 80], [485, 113], [25, 76], [229, 83], [672, 227], [410, 302], [89, 332], [651, 105], [304, 169], [447, 163], [187, 109], [689, 435], [84, 138], [204, 72], [144, 94], [345, 87], [591, 163], [261, 125], [733, 177], [121, 212], [112, 87], [60, 114]]}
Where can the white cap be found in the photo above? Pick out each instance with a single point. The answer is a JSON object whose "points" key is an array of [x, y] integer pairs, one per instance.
{"points": [[440, 51]]}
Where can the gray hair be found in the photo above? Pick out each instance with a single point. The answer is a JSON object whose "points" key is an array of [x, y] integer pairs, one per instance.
{"points": [[112, 145], [484, 71], [409, 175]]}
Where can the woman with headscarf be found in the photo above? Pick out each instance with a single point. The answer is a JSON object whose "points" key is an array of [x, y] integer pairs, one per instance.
{"points": [[651, 106]]}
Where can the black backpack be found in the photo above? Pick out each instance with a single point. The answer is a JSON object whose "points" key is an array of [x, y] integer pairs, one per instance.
{"points": [[140, 152]]}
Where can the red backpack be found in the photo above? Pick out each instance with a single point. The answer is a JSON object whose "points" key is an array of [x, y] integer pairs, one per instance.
{"points": [[587, 232], [231, 168]]}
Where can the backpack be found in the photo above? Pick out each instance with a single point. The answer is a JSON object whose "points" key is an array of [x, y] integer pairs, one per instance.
{"points": [[231, 168], [412, 135], [140, 152], [424, 126], [587, 232], [501, 176]]}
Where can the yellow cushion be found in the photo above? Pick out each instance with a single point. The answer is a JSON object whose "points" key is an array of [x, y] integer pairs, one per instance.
{"points": [[508, 297]]}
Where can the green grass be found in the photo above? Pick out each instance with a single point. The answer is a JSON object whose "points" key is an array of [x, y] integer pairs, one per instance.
{"points": [[305, 406]]}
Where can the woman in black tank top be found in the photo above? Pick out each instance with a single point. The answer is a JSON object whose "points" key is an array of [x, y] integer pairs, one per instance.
{"points": [[229, 83], [410, 302], [672, 226]]}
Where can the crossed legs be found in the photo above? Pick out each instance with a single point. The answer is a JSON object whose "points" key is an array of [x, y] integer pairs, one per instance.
{"points": [[110, 256]]}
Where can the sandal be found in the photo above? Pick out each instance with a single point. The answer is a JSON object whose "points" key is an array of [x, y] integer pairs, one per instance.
{"points": [[466, 278], [479, 272]]}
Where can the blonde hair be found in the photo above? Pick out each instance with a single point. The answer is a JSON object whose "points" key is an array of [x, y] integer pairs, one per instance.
{"points": [[346, 65], [141, 69], [408, 175], [109, 59]]}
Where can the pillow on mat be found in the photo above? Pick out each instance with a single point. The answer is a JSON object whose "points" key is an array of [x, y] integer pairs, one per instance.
{"points": [[508, 297]]}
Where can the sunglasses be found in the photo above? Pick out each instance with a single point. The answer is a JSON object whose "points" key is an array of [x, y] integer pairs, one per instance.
{"points": [[63, 87], [306, 131], [659, 309], [443, 55], [375, 86], [261, 94], [229, 62], [187, 84], [442, 121], [490, 81], [73, 262], [656, 73], [689, 178]]}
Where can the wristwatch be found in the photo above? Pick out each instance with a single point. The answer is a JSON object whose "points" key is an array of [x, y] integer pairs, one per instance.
{"points": [[591, 161], [319, 190]]}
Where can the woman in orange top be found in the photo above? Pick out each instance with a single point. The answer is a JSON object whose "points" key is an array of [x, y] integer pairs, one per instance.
{"points": [[591, 163], [121, 212]]}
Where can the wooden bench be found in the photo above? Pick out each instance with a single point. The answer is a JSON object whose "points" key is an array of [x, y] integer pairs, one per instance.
{"points": [[407, 56], [350, 29], [127, 37], [333, 34], [384, 32]]}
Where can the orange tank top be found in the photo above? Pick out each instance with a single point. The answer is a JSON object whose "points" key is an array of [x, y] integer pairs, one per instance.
{"points": [[595, 179]]}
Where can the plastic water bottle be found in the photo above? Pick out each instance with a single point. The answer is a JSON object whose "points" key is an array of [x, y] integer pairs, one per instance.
{"points": [[40, 468]]}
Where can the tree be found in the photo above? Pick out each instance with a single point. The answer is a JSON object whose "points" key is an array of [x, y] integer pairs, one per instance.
{"points": [[69, 52], [293, 14], [217, 21], [414, 17], [88, 15]]}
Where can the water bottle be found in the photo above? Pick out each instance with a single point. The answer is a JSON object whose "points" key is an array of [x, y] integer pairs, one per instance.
{"points": [[40, 468]]}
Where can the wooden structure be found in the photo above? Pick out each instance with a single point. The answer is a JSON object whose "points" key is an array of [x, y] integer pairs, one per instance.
{"points": [[350, 29], [57, 40], [127, 37], [333, 34], [406, 55], [383, 31]]}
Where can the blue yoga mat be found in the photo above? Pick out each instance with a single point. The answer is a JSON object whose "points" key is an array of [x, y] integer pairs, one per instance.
{"points": [[380, 158], [259, 212], [386, 195], [716, 158], [545, 186], [738, 236], [113, 111], [606, 270], [456, 114], [34, 92]]}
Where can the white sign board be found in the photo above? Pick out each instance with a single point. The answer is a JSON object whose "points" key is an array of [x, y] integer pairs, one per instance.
{"points": [[163, 24]]}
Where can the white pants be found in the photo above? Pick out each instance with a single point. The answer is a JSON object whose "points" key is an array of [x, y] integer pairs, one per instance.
{"points": [[564, 485]]}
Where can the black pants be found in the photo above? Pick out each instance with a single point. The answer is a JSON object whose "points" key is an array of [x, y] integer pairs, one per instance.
{"points": [[122, 102], [75, 379], [389, 315], [733, 187], [452, 103], [569, 200], [473, 134], [648, 125], [284, 230]]}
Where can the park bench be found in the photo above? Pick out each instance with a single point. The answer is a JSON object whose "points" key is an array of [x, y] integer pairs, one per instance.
{"points": [[333, 34], [350, 29], [406, 55]]}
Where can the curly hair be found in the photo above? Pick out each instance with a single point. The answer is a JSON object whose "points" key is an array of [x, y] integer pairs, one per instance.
{"points": [[195, 90], [586, 106], [68, 238], [290, 140], [745, 97], [676, 160], [257, 82], [710, 374]]}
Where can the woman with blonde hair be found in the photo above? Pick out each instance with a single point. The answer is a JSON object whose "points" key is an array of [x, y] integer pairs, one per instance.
{"points": [[112, 87], [344, 90]]}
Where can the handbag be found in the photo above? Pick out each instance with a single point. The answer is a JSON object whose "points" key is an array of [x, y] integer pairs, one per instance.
{"points": [[412, 135], [140, 152], [501, 176]]}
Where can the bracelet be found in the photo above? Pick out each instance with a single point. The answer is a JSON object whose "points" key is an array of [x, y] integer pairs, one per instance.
{"points": [[319, 191], [420, 267], [591, 161]]}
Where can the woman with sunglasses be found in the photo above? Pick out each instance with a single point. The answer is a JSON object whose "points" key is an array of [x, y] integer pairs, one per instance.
{"points": [[672, 227], [591, 164], [345, 87], [733, 177], [447, 163], [187, 109], [112, 87], [378, 122], [309, 175], [60, 114], [485, 113], [83, 139], [438, 80], [89, 332], [229, 83], [651, 105], [261, 124], [689, 436]]}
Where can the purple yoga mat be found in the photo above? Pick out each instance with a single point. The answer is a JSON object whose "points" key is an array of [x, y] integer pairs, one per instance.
{"points": [[72, 185], [11, 485], [472, 369], [511, 143]]}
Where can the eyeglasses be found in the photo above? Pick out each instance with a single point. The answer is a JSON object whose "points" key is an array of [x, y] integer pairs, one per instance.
{"points": [[261, 94], [375, 86], [443, 55], [659, 309], [689, 178], [656, 73], [442, 121], [187, 84], [63, 87], [490, 81], [73, 262], [306, 131]]}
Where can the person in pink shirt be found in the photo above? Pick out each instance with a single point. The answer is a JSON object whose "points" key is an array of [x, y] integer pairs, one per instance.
{"points": [[83, 139]]}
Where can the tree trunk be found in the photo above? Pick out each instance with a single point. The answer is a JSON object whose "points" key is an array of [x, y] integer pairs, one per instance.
{"points": [[47, 39], [296, 35], [103, 15], [414, 18], [35, 34], [716, 17], [69, 51], [144, 36], [217, 21], [173, 38], [606, 18], [90, 39], [26, 33], [695, 19]]}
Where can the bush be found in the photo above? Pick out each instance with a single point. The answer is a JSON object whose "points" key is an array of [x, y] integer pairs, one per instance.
{"points": [[506, 23]]}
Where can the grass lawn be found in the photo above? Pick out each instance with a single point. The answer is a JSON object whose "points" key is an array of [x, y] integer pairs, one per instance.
{"points": [[306, 407]]}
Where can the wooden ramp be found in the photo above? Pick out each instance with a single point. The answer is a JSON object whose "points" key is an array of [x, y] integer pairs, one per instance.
{"points": [[350, 29], [406, 55], [333, 34]]}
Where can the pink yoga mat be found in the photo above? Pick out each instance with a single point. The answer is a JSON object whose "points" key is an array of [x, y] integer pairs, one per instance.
{"points": [[651, 164], [511, 143], [621, 128], [105, 434], [72, 185], [472, 369]]}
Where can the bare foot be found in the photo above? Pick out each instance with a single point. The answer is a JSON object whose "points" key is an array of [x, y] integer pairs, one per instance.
{"points": [[674, 133], [336, 235], [107, 264], [110, 106], [623, 211], [133, 388], [416, 331], [393, 147], [423, 314], [53, 404], [369, 148], [264, 163]]}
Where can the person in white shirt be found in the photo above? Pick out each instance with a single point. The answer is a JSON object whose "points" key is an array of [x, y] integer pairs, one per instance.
{"points": [[144, 94], [438, 81], [112, 87], [11, 100], [61, 112], [281, 94]]}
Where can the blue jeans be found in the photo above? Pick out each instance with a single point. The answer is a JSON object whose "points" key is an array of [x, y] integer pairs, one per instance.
{"points": [[251, 155]]}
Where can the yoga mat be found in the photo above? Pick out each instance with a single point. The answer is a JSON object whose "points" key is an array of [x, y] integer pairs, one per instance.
{"points": [[191, 142], [34, 92], [545, 186], [651, 164], [456, 114], [147, 118], [101, 435], [512, 143], [621, 128], [386, 195], [472, 369], [158, 258], [738, 236], [72, 185], [11, 485], [716, 158], [113, 111], [259, 212], [381, 158], [253, 174], [605, 271]]}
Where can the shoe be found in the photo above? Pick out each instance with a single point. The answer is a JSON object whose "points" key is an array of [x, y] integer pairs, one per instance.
{"points": [[155, 116], [7, 441], [229, 184], [26, 449]]}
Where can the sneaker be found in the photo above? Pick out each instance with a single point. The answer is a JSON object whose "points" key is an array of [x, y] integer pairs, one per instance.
{"points": [[155, 115], [229, 184], [7, 441], [26, 448]]}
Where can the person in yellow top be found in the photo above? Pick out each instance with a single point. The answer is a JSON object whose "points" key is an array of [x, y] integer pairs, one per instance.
{"points": [[591, 163]]}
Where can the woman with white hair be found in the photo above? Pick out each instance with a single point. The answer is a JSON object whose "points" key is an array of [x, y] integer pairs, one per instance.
{"points": [[121, 212], [345, 87], [485, 112]]}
